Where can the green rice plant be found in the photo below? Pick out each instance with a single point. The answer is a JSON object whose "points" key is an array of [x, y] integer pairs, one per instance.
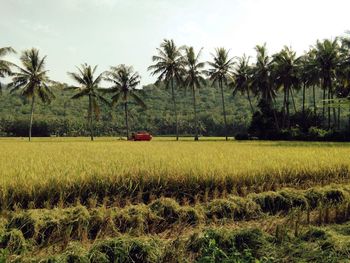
{"points": [[128, 250], [137, 219], [314, 234], [14, 242], [272, 202], [166, 208], [191, 216], [23, 222]]}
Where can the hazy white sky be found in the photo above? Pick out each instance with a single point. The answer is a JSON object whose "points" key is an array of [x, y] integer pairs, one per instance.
{"points": [[112, 32]]}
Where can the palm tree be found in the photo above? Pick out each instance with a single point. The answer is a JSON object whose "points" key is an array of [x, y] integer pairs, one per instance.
{"points": [[194, 79], [261, 79], [125, 81], [326, 61], [32, 80], [220, 73], [5, 66], [242, 79], [169, 66], [285, 74], [89, 87]]}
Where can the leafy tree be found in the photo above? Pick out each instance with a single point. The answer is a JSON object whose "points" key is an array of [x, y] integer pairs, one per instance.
{"points": [[89, 87], [5, 66], [194, 79], [285, 74], [221, 72], [32, 80], [242, 79], [124, 81], [169, 66]]}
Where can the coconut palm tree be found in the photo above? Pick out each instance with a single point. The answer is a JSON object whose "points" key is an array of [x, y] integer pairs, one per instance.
{"points": [[88, 86], [242, 79], [285, 74], [220, 72], [261, 80], [194, 79], [169, 66], [5, 66], [124, 81], [326, 61], [32, 80]]}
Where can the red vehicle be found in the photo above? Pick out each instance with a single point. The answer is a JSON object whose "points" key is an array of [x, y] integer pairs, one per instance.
{"points": [[141, 136]]}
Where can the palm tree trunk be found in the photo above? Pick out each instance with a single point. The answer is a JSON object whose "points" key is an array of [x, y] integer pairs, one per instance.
{"points": [[349, 119], [90, 119], [324, 105], [284, 107], [329, 108], [175, 110], [314, 100], [195, 113], [223, 107], [334, 112], [339, 118], [250, 101], [287, 104], [126, 119], [304, 88], [293, 100], [272, 104], [31, 118]]}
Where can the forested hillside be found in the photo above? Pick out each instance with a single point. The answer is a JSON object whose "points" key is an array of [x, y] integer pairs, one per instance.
{"points": [[65, 116], [68, 117]]}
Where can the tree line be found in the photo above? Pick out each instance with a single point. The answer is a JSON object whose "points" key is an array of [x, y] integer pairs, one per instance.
{"points": [[323, 68]]}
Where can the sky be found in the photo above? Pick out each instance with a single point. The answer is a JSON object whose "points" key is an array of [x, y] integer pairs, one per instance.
{"points": [[112, 32]]}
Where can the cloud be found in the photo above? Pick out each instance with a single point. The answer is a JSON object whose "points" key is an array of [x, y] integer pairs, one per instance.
{"points": [[38, 27]]}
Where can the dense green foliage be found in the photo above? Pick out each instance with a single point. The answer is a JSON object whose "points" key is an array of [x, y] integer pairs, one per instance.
{"points": [[69, 117]]}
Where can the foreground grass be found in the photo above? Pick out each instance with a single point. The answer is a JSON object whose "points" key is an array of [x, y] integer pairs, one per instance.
{"points": [[48, 171]]}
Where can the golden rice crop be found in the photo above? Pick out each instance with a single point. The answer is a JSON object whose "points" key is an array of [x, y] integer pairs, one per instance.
{"points": [[75, 167]]}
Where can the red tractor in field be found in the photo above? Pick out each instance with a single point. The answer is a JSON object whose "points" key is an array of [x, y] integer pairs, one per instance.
{"points": [[141, 136]]}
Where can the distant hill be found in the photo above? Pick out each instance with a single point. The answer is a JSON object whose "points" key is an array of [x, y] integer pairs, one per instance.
{"points": [[65, 116]]}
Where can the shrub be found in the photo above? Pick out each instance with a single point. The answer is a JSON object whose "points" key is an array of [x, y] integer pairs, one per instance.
{"points": [[317, 133]]}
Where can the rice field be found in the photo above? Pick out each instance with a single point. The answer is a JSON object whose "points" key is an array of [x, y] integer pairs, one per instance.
{"points": [[69, 199], [67, 160]]}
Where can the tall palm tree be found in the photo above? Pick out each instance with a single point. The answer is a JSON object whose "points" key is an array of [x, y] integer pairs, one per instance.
{"points": [[326, 61], [32, 80], [124, 81], [169, 66], [194, 79], [261, 80], [88, 86], [285, 74], [220, 72], [242, 79], [5, 66]]}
